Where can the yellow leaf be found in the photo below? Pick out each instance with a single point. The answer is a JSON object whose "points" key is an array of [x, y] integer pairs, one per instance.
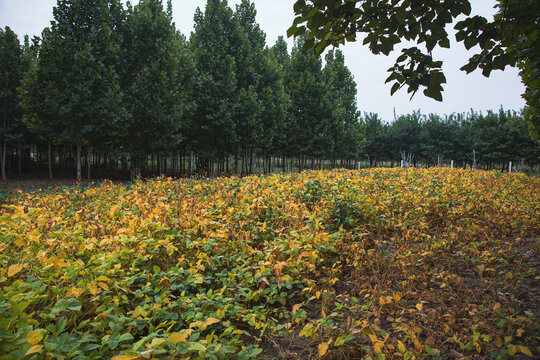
{"points": [[34, 349], [323, 348], [34, 337], [14, 269], [419, 306], [103, 278], [211, 320], [498, 342], [512, 349], [373, 338], [127, 231], [377, 347], [525, 350], [125, 357], [197, 324], [296, 307], [496, 306], [199, 278], [156, 342], [176, 338], [93, 289], [75, 292], [417, 344], [220, 313], [401, 347], [103, 286], [520, 332]]}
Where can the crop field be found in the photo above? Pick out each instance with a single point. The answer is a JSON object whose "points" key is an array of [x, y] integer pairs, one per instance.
{"points": [[374, 264]]}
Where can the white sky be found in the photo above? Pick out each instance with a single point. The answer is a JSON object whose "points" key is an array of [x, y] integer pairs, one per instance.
{"points": [[462, 92]]}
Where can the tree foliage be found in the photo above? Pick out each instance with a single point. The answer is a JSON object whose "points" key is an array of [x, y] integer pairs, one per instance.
{"points": [[511, 38], [152, 51], [11, 74]]}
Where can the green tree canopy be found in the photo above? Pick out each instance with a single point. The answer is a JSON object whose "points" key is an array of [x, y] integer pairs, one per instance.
{"points": [[76, 77], [11, 73], [215, 43], [152, 56], [511, 38]]}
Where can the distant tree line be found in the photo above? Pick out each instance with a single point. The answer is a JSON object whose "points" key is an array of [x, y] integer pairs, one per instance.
{"points": [[488, 141], [114, 91]]}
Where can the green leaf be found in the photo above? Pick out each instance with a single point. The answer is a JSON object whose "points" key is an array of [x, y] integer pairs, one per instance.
{"points": [[125, 337], [70, 304], [395, 88]]}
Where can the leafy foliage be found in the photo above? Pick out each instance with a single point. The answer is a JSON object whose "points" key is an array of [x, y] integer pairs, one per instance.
{"points": [[11, 74], [511, 38], [424, 262]]}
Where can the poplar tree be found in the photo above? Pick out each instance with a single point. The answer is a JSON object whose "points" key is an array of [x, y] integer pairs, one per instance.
{"points": [[77, 67], [215, 43], [281, 57], [262, 102], [310, 109], [345, 126], [150, 59], [11, 73]]}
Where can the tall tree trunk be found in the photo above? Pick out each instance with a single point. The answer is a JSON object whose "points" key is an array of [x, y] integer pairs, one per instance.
{"points": [[250, 161], [99, 165], [4, 151], [243, 165], [236, 157], [89, 161], [190, 166], [79, 172], [165, 164], [49, 159], [19, 161]]}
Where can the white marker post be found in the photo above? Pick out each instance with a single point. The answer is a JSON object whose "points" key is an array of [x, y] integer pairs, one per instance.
{"points": [[402, 164], [510, 167], [451, 164]]}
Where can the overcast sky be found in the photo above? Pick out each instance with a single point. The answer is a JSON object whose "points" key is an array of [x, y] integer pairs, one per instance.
{"points": [[462, 92]]}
